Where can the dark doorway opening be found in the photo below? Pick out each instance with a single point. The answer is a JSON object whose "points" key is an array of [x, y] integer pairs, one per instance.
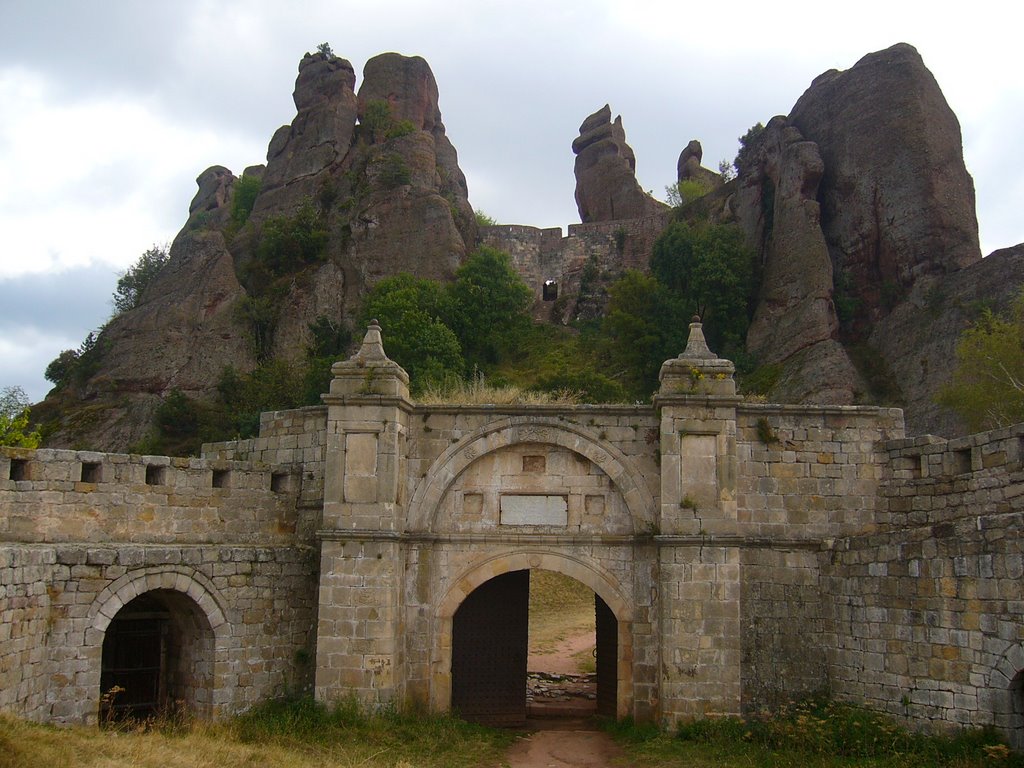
{"points": [[490, 649], [157, 659]]}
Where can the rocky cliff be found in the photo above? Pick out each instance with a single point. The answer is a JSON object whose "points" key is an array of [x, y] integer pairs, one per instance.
{"points": [[360, 185], [857, 204]]}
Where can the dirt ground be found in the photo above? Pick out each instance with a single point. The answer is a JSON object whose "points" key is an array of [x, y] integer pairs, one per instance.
{"points": [[564, 749]]}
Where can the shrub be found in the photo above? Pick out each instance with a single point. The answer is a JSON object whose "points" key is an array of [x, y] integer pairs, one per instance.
{"points": [[133, 282], [243, 198]]}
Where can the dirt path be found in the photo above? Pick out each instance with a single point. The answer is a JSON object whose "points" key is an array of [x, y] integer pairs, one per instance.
{"points": [[564, 749], [562, 659]]}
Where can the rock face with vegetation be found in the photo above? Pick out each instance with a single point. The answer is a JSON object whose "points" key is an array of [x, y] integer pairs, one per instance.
{"points": [[356, 188], [606, 185], [840, 265], [794, 323]]}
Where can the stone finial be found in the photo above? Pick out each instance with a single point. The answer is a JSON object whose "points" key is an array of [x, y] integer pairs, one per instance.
{"points": [[369, 371], [372, 348], [696, 345], [697, 371]]}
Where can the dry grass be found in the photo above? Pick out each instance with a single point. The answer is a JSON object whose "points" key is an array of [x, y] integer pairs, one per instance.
{"points": [[560, 607], [295, 735], [476, 391]]}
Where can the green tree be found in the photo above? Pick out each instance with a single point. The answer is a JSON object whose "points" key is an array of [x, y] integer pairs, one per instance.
{"points": [[987, 388], [490, 304], [14, 419], [683, 192], [133, 282], [710, 269], [646, 324], [61, 368], [243, 198], [748, 141], [412, 313]]}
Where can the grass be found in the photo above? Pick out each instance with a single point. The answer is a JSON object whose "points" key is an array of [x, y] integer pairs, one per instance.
{"points": [[303, 734], [293, 734], [560, 607], [476, 391], [811, 734]]}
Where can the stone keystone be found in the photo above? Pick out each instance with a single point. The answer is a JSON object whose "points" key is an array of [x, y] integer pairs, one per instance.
{"points": [[697, 370], [370, 371]]}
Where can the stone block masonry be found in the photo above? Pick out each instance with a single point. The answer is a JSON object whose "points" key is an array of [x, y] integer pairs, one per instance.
{"points": [[746, 554]]}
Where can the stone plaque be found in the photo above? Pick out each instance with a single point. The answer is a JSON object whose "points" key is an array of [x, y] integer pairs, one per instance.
{"points": [[534, 510]]}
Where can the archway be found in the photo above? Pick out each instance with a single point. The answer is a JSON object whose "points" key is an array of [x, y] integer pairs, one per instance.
{"points": [[482, 639], [157, 658], [1016, 727]]}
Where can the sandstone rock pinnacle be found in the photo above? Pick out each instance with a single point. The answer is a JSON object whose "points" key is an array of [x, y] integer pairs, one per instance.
{"points": [[606, 185]]}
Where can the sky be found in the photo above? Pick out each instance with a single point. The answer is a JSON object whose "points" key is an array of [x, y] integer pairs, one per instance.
{"points": [[110, 109]]}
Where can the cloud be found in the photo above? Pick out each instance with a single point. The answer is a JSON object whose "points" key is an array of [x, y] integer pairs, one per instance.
{"points": [[44, 314]]}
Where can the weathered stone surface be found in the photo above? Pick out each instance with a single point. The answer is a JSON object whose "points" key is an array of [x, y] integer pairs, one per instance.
{"points": [[689, 168], [897, 201], [180, 337], [302, 154], [920, 335], [606, 185], [795, 321], [392, 203]]}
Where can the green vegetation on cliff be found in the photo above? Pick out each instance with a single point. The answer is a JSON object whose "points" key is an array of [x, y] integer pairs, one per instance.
{"points": [[987, 388]]}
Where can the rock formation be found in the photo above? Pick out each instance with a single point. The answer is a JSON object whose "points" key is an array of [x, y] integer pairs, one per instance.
{"points": [[383, 183], [795, 321], [689, 168], [897, 201], [606, 185]]}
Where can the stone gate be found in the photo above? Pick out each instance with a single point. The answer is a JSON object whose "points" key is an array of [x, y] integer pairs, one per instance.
{"points": [[742, 553]]}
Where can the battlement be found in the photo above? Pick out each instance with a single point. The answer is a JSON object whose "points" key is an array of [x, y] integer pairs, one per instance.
{"points": [[54, 495]]}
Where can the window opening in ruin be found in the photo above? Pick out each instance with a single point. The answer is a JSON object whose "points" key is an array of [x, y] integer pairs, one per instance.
{"points": [[19, 469], [221, 478], [91, 471], [550, 290], [280, 482], [962, 461], [156, 475], [533, 643]]}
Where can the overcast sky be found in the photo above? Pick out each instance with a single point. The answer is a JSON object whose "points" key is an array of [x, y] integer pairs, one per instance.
{"points": [[109, 111]]}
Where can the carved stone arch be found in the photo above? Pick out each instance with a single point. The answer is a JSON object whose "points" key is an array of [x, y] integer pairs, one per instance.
{"points": [[603, 584], [518, 430], [1006, 695], [174, 578], [191, 597]]}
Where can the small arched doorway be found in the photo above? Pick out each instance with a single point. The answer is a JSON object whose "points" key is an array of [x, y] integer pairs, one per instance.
{"points": [[490, 641], [157, 659], [1016, 731]]}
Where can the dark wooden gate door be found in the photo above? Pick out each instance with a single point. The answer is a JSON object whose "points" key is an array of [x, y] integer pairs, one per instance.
{"points": [[489, 646], [133, 663], [607, 631]]}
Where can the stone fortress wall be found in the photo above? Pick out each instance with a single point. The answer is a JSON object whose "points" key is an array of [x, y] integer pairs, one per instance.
{"points": [[749, 553]]}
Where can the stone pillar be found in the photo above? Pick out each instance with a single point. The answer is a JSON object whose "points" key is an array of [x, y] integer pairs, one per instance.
{"points": [[361, 559], [697, 527]]}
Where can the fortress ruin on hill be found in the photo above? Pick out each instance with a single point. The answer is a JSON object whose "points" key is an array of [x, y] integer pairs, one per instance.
{"points": [[740, 554]]}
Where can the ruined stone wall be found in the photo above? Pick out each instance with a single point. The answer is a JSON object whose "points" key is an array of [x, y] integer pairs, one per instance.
{"points": [[805, 476], [82, 534], [811, 473], [24, 627], [591, 255], [292, 440], [926, 614], [80, 496]]}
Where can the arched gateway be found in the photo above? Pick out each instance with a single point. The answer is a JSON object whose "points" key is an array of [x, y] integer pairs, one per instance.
{"points": [[433, 516]]}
